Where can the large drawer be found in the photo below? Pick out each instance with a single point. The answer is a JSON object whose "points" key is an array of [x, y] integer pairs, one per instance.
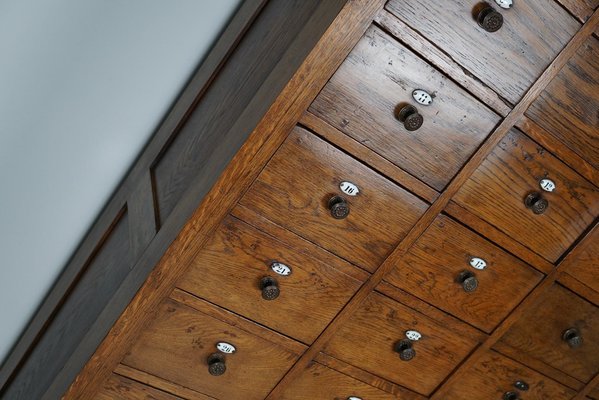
{"points": [[297, 185], [496, 377], [569, 106], [461, 273], [295, 291], [562, 331], [364, 97], [508, 60], [376, 340], [507, 191], [182, 346], [118, 387]]}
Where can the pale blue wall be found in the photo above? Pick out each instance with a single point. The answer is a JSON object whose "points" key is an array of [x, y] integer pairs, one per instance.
{"points": [[83, 85]]}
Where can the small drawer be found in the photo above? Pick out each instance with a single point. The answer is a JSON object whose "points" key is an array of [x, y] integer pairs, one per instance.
{"points": [[301, 190], [366, 96], [211, 351], [562, 331], [461, 273], [120, 388], [376, 340], [585, 266], [530, 195], [499, 378], [258, 276], [583, 9], [569, 106], [530, 35], [320, 382]]}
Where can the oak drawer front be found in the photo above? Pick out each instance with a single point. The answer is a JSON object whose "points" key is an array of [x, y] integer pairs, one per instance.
{"points": [[120, 388], [494, 376], [508, 60], [179, 345], [506, 191], [585, 267], [375, 340], [364, 97], [295, 189], [443, 269], [320, 382], [581, 8], [550, 332], [569, 106], [236, 270]]}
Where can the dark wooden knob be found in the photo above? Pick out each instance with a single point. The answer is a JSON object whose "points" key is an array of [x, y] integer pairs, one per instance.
{"points": [[216, 364], [412, 120], [270, 288], [573, 337], [405, 349], [468, 281], [536, 202], [339, 207], [489, 19], [511, 396], [521, 385]]}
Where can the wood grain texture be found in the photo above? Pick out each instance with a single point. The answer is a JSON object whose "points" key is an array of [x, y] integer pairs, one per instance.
{"points": [[496, 192], [294, 188], [585, 266], [578, 287], [121, 388], [582, 9], [364, 96], [430, 268], [509, 60], [181, 339], [538, 333], [368, 339], [569, 106], [493, 375], [229, 268]]}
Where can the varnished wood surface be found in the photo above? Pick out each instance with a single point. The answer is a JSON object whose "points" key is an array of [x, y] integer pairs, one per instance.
{"points": [[493, 375], [229, 268], [538, 333], [585, 267], [497, 189], [364, 96], [367, 342], [430, 268], [582, 9], [569, 107], [181, 339], [508, 60], [121, 388], [294, 188]]}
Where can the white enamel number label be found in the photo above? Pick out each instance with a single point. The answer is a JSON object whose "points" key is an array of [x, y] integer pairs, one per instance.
{"points": [[413, 335], [422, 97], [280, 268], [478, 263], [547, 185], [349, 188], [354, 398], [225, 347], [505, 3]]}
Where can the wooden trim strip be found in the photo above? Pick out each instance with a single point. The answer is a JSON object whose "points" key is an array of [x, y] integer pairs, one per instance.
{"points": [[142, 214], [589, 387]]}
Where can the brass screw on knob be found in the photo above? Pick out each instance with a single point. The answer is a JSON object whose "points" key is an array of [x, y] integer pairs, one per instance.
{"points": [[411, 118], [489, 19], [536, 203], [405, 349], [270, 288], [216, 364], [339, 207], [468, 281]]}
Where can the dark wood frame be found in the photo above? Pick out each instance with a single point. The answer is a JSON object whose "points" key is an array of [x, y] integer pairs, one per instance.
{"points": [[61, 338]]}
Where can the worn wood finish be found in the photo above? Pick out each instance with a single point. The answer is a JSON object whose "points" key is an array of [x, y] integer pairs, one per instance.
{"points": [[121, 388], [320, 382], [509, 60], [229, 268], [569, 106], [582, 9], [297, 183], [585, 266], [539, 333], [430, 268], [367, 341], [493, 375], [364, 96], [181, 339], [580, 288], [496, 192]]}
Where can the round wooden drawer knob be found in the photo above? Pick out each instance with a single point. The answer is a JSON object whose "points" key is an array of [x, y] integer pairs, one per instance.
{"points": [[489, 19], [339, 207], [405, 349], [468, 281], [573, 338], [216, 364], [536, 203], [411, 118], [270, 288]]}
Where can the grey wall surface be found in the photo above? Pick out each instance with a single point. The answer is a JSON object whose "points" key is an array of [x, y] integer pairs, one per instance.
{"points": [[83, 85]]}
